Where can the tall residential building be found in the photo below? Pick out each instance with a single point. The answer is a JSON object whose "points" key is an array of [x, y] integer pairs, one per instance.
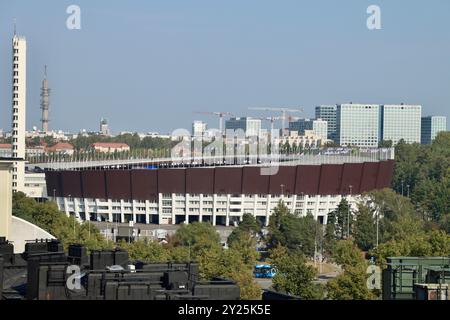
{"points": [[319, 127], [199, 128], [251, 126], [431, 126], [104, 129], [19, 64], [358, 124], [328, 113], [401, 122]]}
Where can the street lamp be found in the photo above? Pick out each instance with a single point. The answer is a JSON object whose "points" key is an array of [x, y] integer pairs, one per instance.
{"points": [[348, 212]]}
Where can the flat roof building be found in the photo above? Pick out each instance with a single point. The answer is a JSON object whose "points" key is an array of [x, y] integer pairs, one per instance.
{"points": [[358, 125], [328, 114], [319, 127], [431, 126], [199, 128], [251, 126], [401, 122]]}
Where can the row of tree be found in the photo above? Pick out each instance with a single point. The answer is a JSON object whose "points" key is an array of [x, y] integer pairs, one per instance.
{"points": [[132, 140], [422, 173]]}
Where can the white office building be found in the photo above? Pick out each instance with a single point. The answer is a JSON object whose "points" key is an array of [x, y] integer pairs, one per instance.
{"points": [[401, 122], [199, 128], [358, 125]]}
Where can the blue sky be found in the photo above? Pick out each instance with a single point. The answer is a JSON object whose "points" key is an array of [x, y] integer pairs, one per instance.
{"points": [[147, 65]]}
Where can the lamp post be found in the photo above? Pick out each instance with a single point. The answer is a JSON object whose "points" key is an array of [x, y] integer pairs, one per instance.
{"points": [[378, 218], [402, 187], [348, 212]]}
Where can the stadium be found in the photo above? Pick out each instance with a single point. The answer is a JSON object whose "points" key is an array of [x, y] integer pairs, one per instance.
{"points": [[173, 191]]}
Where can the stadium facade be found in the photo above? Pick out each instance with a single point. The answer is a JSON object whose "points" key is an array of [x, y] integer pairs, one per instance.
{"points": [[220, 194]]}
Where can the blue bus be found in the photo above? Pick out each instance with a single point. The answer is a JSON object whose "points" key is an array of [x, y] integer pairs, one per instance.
{"points": [[264, 271]]}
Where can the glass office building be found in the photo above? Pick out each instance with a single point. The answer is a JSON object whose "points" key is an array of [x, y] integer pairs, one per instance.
{"points": [[328, 114], [431, 126], [251, 126]]}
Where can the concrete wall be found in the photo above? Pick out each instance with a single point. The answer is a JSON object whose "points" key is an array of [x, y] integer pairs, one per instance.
{"points": [[5, 198], [22, 231]]}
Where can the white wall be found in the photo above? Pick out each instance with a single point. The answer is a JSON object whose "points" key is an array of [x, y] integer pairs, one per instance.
{"points": [[22, 230]]}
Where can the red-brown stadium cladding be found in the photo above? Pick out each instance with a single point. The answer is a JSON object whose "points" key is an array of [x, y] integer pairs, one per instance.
{"points": [[147, 184], [307, 182], [385, 174], [351, 176], [93, 183], [172, 181], [144, 184], [369, 176], [330, 179], [53, 184], [253, 182], [118, 184], [228, 181], [283, 181], [71, 183], [200, 180]]}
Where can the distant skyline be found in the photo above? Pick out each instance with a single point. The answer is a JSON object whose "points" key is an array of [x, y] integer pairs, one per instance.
{"points": [[148, 65]]}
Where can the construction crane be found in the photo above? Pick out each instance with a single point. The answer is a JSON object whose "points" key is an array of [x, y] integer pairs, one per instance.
{"points": [[219, 114], [271, 120], [283, 113]]}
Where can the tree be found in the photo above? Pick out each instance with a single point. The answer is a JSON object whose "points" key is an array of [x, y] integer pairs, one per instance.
{"points": [[365, 228], [385, 144], [336, 228], [293, 275], [295, 233], [198, 236], [146, 250], [422, 171], [434, 243], [235, 263], [352, 284], [398, 217], [248, 225]]}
